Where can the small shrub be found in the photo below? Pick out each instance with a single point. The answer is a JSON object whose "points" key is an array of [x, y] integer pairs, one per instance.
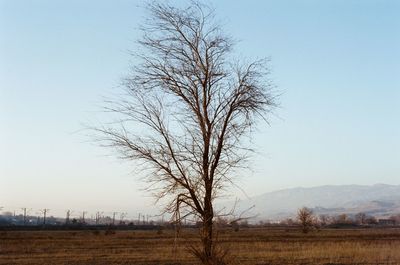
{"points": [[160, 231], [235, 226], [109, 232]]}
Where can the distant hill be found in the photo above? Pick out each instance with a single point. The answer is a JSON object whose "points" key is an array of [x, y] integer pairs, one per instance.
{"points": [[379, 200]]}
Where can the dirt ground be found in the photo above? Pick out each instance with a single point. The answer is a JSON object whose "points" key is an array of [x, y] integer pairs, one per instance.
{"points": [[247, 246]]}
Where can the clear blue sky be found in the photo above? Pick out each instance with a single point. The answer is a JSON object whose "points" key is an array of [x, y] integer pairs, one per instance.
{"points": [[336, 62]]}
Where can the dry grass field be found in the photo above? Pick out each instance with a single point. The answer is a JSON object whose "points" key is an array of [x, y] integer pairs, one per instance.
{"points": [[247, 246]]}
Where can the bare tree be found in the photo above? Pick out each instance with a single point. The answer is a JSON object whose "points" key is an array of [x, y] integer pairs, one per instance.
{"points": [[395, 218], [342, 219], [361, 218], [306, 218], [371, 220], [324, 219], [187, 109], [121, 217]]}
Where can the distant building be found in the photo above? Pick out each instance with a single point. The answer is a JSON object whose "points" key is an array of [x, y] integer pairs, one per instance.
{"points": [[386, 222]]}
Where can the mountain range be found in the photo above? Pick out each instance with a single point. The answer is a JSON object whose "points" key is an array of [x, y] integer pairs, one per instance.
{"points": [[379, 200]]}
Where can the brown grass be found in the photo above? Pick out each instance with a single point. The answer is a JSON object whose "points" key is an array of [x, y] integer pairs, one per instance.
{"points": [[247, 246]]}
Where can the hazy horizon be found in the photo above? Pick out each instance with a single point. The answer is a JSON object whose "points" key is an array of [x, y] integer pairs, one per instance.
{"points": [[155, 212], [338, 122]]}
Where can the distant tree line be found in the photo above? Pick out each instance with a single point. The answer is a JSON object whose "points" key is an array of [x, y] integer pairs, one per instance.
{"points": [[42, 218], [309, 221], [306, 220]]}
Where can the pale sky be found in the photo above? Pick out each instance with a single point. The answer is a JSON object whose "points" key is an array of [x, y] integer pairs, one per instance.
{"points": [[337, 64]]}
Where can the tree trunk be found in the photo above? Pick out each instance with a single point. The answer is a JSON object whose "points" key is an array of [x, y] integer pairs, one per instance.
{"points": [[207, 229], [207, 238]]}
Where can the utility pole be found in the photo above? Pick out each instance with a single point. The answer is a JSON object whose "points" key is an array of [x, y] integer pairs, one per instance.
{"points": [[44, 212], [139, 219], [113, 218], [25, 210], [83, 217], [67, 217], [98, 215]]}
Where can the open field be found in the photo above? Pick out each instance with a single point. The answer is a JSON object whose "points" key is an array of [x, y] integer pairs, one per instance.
{"points": [[247, 246]]}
